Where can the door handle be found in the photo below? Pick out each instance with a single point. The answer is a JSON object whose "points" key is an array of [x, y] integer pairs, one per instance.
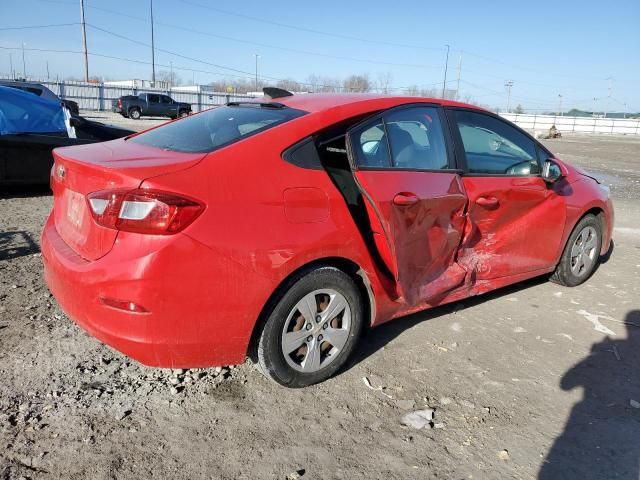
{"points": [[405, 199], [487, 201]]}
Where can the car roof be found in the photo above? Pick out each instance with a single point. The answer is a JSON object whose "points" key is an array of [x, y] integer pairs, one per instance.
{"points": [[318, 102], [44, 91]]}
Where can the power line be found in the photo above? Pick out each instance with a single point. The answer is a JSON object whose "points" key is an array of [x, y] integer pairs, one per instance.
{"points": [[28, 27], [247, 76], [265, 45], [308, 30]]}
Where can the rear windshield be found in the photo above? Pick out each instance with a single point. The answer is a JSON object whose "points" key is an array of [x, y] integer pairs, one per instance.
{"points": [[215, 128]]}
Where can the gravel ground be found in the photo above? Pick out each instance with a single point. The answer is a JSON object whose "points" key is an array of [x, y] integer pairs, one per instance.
{"points": [[522, 381]]}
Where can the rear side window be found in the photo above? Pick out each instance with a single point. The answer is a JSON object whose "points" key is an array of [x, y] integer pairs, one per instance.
{"points": [[407, 139], [215, 128], [370, 146]]}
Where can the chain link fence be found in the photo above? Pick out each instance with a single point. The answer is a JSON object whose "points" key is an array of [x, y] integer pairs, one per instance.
{"points": [[99, 97]]}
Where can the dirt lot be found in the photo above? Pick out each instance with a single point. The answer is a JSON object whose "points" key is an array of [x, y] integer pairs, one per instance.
{"points": [[525, 382]]}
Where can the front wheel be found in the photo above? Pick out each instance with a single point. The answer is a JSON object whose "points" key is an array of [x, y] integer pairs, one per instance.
{"points": [[183, 113], [312, 329], [581, 254]]}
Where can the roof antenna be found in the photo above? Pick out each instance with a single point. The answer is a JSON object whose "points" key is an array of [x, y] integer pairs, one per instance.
{"points": [[273, 92]]}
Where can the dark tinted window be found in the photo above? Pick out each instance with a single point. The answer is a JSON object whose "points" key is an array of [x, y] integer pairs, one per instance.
{"points": [[153, 98], [416, 139], [494, 147], [215, 128], [165, 99]]}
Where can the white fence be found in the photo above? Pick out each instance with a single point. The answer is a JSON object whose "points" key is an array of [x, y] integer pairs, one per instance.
{"points": [[575, 124], [97, 96]]}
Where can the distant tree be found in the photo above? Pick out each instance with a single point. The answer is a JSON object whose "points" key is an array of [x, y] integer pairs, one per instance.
{"points": [[357, 83], [172, 78], [412, 91], [290, 85], [384, 82], [519, 109]]}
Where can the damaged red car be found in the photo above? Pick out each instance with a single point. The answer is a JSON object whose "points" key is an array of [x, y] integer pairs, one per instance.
{"points": [[283, 227]]}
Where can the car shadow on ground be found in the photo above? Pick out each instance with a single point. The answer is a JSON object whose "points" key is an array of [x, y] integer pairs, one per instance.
{"points": [[17, 244], [375, 339], [602, 433], [25, 191]]}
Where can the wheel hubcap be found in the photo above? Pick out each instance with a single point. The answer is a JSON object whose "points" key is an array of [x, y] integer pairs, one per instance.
{"points": [[316, 330], [583, 251]]}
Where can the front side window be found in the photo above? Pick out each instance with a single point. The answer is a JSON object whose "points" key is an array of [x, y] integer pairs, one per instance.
{"points": [[165, 99], [493, 147], [153, 99], [215, 128]]}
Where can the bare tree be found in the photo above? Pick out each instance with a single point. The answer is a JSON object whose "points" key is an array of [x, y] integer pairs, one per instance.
{"points": [[288, 84], [172, 78], [357, 83], [384, 82], [412, 91]]}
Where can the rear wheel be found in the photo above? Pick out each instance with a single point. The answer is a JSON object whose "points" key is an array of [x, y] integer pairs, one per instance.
{"points": [[312, 329], [134, 113], [581, 254]]}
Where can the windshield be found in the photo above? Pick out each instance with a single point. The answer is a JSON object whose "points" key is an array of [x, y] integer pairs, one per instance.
{"points": [[215, 128], [22, 112]]}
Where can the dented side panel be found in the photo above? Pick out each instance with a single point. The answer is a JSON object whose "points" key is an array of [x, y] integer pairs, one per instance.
{"points": [[515, 225], [424, 236]]}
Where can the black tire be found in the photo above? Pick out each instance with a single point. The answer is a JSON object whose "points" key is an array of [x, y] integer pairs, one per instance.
{"points": [[270, 357], [564, 274], [134, 113], [183, 113]]}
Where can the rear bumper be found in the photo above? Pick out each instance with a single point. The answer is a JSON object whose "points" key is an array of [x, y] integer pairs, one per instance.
{"points": [[188, 324]]}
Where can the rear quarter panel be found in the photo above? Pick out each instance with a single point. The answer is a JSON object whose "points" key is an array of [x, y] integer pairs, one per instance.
{"points": [[263, 236]]}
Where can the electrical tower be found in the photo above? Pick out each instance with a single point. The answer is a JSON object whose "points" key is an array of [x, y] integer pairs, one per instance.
{"points": [[508, 84]]}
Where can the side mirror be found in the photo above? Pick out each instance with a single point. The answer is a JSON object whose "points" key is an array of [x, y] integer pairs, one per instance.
{"points": [[552, 172]]}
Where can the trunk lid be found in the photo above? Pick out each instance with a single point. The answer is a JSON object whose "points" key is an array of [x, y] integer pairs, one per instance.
{"points": [[84, 169]]}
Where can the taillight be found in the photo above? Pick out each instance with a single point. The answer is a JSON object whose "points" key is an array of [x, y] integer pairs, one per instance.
{"points": [[143, 211], [119, 103]]}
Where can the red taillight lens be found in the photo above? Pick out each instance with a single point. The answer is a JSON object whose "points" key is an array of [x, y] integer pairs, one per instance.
{"points": [[119, 103], [143, 211]]}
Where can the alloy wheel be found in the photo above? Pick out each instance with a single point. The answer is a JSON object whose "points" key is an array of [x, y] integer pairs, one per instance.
{"points": [[316, 330]]}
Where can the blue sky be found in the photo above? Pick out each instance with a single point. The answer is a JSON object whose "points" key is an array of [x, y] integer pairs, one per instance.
{"points": [[567, 48]]}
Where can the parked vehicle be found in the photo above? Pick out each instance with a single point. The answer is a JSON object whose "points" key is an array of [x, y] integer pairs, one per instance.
{"points": [[30, 127], [150, 105], [283, 228], [41, 91]]}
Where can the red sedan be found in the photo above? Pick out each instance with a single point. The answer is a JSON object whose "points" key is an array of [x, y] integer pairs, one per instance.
{"points": [[280, 229]]}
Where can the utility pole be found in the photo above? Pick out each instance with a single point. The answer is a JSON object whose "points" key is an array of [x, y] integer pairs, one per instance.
{"points": [[459, 71], [560, 105], [508, 84], [594, 107], [608, 96], [171, 74], [446, 66], [153, 51], [11, 64], [84, 42], [47, 69], [257, 57], [24, 67]]}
